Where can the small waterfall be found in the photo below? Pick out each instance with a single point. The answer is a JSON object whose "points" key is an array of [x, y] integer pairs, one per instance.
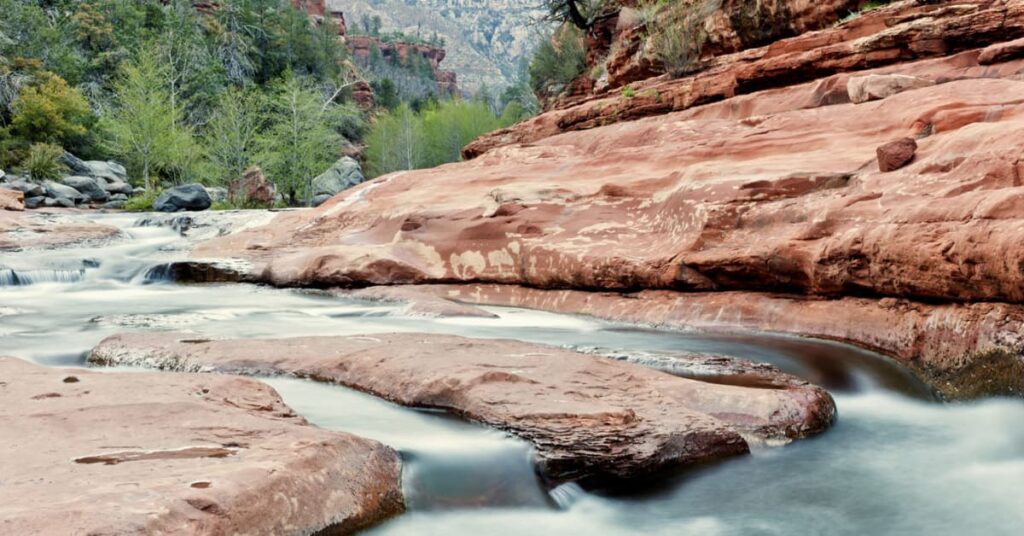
{"points": [[14, 278], [566, 495]]}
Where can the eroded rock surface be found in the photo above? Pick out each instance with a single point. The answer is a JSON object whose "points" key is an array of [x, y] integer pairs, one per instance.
{"points": [[588, 417], [41, 231], [125, 453]]}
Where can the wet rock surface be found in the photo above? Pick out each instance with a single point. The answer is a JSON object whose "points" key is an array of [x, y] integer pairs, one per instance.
{"points": [[19, 231], [589, 418], [947, 345], [126, 453]]}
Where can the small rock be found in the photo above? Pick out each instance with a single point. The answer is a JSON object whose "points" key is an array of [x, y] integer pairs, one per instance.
{"points": [[117, 187], [119, 197], [185, 197], [114, 204], [88, 187], [58, 202], [11, 200], [880, 86], [321, 199], [138, 191], [896, 154], [34, 202]]}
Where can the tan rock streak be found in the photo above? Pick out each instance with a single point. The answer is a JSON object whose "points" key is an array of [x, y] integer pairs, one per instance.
{"points": [[589, 417], [126, 453]]}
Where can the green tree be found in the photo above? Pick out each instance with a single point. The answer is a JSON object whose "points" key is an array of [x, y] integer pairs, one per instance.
{"points": [[144, 128], [558, 61], [49, 111], [230, 137], [301, 140]]}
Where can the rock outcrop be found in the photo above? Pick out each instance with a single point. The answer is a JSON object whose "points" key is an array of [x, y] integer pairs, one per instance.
{"points": [[342, 175], [589, 418], [770, 190], [253, 189], [20, 230], [884, 41], [122, 453]]}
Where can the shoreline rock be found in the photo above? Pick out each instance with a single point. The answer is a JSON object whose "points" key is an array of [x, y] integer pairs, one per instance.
{"points": [[589, 418], [128, 453], [964, 351]]}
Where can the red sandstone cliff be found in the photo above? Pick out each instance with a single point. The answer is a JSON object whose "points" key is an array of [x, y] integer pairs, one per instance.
{"points": [[759, 176]]}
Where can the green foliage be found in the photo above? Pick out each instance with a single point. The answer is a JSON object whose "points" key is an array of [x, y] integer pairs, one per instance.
{"points": [[49, 111], [143, 202], [628, 92], [404, 139], [230, 138], [301, 138], [558, 61], [144, 127], [678, 39], [43, 162]]}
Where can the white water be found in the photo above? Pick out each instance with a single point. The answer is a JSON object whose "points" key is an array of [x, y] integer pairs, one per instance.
{"points": [[895, 462]]}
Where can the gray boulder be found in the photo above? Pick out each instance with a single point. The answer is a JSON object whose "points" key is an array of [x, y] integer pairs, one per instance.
{"points": [[30, 189], [217, 194], [55, 190], [321, 199], [342, 175], [74, 164], [58, 202], [119, 197], [34, 201], [108, 171], [88, 186], [117, 187], [114, 203], [184, 197], [138, 191]]}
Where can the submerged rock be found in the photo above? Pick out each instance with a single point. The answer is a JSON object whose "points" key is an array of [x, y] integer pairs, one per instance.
{"points": [[185, 197], [588, 417], [125, 453]]}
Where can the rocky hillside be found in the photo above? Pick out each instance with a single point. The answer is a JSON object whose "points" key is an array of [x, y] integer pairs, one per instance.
{"points": [[485, 39]]}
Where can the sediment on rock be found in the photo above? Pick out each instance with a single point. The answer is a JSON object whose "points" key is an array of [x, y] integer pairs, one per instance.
{"points": [[127, 453], [589, 418]]}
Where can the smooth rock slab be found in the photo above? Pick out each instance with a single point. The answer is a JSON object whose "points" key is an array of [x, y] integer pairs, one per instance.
{"points": [[589, 418], [127, 453]]}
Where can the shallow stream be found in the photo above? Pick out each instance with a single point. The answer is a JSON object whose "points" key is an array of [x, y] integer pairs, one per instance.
{"points": [[896, 462]]}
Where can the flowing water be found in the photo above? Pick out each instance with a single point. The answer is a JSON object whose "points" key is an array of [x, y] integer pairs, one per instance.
{"points": [[896, 461]]}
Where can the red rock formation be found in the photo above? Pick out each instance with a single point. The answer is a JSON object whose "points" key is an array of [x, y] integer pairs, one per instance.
{"points": [[11, 200], [767, 190], [252, 188], [361, 46], [895, 154], [587, 417], [128, 453], [892, 35]]}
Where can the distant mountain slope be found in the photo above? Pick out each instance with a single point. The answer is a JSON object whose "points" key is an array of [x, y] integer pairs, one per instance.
{"points": [[485, 39]]}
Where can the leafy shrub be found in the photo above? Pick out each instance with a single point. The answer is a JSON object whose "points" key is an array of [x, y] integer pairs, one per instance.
{"points": [[50, 111], [142, 203], [677, 42], [558, 61], [44, 162]]}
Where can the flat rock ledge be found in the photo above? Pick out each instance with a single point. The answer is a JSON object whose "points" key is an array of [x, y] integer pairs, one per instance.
{"points": [[591, 419], [153, 453]]}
